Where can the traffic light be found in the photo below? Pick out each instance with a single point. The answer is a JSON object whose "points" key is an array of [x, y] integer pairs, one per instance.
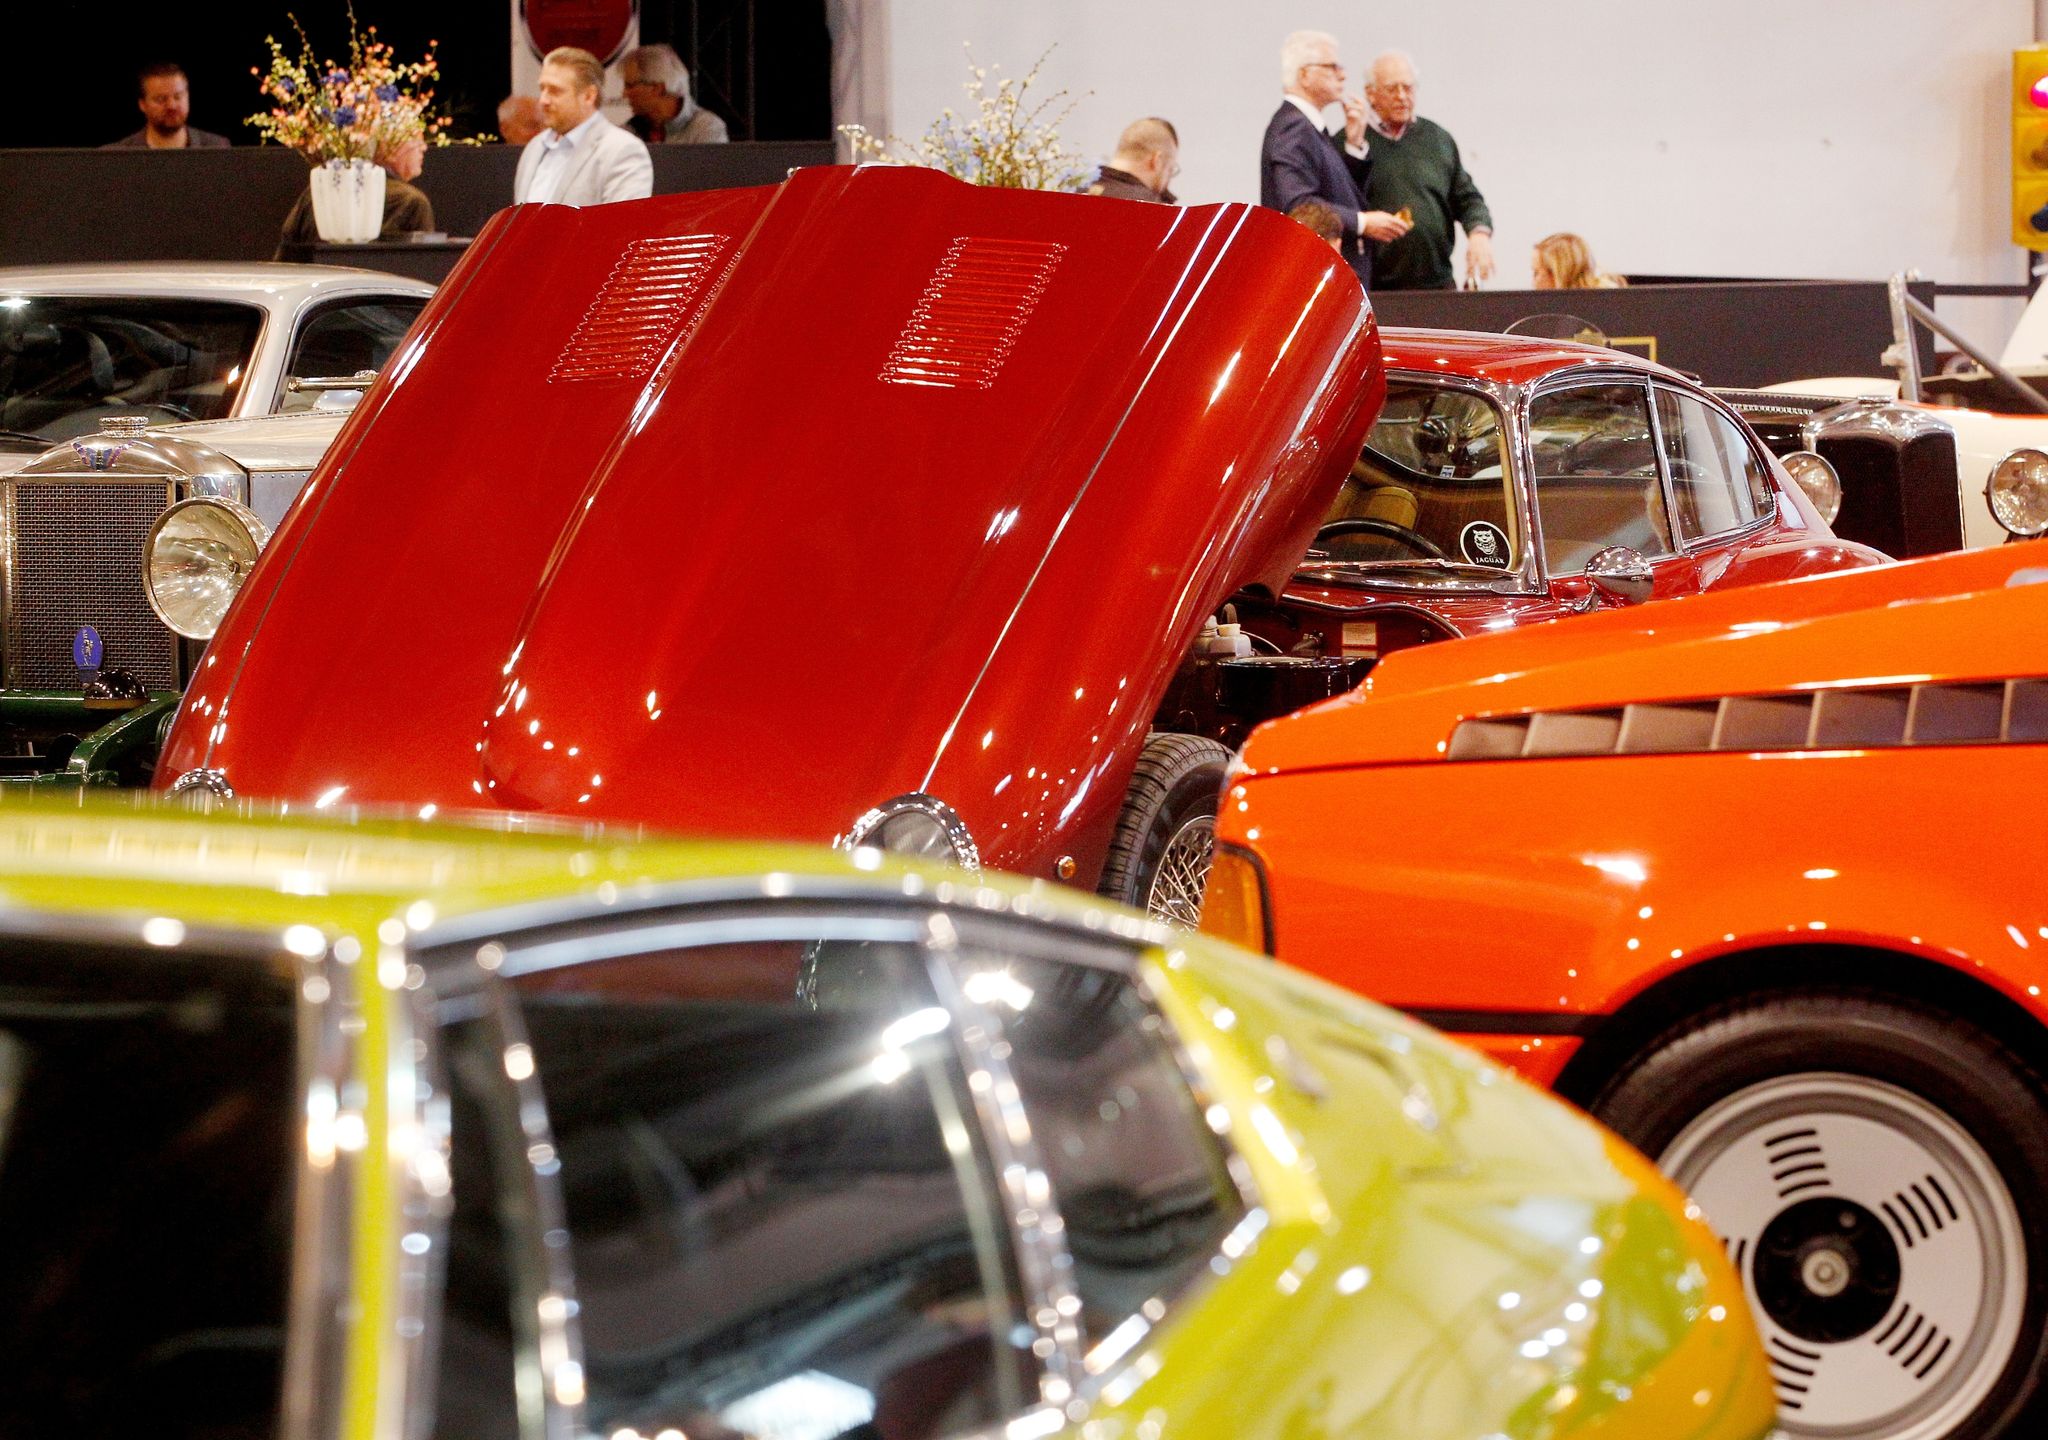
{"points": [[2030, 147]]}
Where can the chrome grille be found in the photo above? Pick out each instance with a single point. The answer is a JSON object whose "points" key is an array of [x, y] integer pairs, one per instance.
{"points": [[75, 559]]}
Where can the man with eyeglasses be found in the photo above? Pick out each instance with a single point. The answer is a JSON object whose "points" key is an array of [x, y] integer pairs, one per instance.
{"points": [[1416, 169], [1300, 160], [658, 88]]}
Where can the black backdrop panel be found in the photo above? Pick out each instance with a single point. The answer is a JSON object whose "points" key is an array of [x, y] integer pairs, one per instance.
{"points": [[1738, 333], [64, 206]]}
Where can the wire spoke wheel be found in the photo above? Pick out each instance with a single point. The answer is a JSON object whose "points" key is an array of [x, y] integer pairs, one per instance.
{"points": [[1175, 894], [1881, 1249]]}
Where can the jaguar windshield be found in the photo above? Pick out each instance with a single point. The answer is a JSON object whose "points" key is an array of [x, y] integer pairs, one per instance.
{"points": [[1430, 499], [68, 361]]}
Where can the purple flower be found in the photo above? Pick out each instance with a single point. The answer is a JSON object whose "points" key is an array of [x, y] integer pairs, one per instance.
{"points": [[387, 93], [345, 115], [337, 77], [286, 88]]}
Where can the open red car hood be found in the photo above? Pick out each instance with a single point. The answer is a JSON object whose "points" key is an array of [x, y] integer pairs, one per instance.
{"points": [[742, 512]]}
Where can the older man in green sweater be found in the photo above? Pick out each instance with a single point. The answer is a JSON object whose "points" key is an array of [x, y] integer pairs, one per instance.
{"points": [[1416, 172]]}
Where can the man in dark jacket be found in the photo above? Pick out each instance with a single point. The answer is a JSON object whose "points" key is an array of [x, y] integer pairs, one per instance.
{"points": [[1302, 161], [1416, 168], [1146, 160]]}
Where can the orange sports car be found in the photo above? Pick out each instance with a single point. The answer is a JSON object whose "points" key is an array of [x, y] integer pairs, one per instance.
{"points": [[1750, 876]]}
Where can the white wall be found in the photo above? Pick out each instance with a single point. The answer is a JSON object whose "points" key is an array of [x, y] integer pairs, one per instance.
{"points": [[1812, 138]]}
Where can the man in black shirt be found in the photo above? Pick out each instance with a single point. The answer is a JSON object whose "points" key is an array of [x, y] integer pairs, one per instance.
{"points": [[164, 97], [1146, 160]]}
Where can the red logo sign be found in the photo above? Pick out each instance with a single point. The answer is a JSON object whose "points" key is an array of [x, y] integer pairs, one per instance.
{"points": [[599, 26]]}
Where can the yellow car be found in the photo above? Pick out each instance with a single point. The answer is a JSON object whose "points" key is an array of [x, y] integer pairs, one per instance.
{"points": [[397, 1131]]}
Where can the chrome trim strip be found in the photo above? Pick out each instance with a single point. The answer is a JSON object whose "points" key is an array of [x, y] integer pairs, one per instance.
{"points": [[1527, 574], [1045, 1265], [548, 1371], [316, 1335], [1059, 913]]}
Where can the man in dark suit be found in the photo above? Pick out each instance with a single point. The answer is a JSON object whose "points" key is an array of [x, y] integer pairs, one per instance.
{"points": [[1300, 160]]}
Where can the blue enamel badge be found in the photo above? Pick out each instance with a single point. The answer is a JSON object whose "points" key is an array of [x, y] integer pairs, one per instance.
{"points": [[86, 649]]}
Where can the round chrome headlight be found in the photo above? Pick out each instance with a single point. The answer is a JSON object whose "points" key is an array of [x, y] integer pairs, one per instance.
{"points": [[920, 827], [2018, 492], [198, 554], [1817, 480]]}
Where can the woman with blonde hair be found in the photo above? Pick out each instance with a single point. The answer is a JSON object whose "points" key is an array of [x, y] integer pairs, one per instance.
{"points": [[1562, 262]]}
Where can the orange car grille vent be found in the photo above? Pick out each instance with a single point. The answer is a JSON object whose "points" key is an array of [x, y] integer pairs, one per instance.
{"points": [[643, 305], [971, 312], [1993, 712]]}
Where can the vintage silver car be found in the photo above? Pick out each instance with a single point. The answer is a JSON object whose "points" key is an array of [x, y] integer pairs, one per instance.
{"points": [[89, 669], [182, 341], [126, 390]]}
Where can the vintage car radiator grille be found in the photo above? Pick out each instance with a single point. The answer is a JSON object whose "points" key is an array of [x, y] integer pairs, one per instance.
{"points": [[1992, 712], [76, 559], [971, 312], [643, 305]]}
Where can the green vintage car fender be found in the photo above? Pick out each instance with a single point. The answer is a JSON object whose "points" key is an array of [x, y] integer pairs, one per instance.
{"points": [[1441, 1251]]}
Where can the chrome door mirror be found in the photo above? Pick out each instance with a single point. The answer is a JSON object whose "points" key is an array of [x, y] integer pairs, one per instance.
{"points": [[1620, 576]]}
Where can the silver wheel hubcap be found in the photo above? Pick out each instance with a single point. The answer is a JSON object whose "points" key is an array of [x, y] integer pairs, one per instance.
{"points": [[1880, 1249], [1175, 894]]}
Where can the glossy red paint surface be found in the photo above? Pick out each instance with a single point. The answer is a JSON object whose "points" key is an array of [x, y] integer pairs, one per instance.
{"points": [[1567, 889], [763, 588]]}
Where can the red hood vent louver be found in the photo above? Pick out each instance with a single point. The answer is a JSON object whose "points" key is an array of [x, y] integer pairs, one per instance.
{"points": [[971, 313], [640, 309]]}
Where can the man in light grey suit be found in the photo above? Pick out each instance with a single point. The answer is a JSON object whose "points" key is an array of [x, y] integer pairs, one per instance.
{"points": [[581, 158]]}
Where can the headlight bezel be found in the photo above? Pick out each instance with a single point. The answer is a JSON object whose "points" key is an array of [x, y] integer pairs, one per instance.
{"points": [[871, 830], [2008, 468], [1817, 480], [201, 625]]}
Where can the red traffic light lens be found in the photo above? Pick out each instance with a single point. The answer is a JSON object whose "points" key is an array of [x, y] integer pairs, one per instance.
{"points": [[2039, 93]]}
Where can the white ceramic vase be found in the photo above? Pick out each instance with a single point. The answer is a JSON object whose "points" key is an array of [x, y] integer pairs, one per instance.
{"points": [[348, 201]]}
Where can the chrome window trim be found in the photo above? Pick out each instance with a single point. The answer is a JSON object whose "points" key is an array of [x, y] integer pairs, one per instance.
{"points": [[1718, 538], [1099, 1376], [548, 1374], [518, 925], [1045, 1265], [313, 310], [1583, 376], [933, 916], [1528, 573]]}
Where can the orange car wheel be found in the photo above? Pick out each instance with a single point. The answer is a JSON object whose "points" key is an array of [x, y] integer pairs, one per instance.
{"points": [[1878, 1174], [1166, 835]]}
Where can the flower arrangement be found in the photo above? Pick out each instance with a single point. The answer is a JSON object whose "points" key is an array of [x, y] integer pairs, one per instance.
{"points": [[359, 111], [1005, 140]]}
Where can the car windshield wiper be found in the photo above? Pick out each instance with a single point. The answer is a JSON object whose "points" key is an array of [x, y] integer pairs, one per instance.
{"points": [[1391, 570]]}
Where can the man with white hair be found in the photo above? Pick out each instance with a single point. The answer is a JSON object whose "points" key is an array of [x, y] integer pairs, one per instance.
{"points": [[658, 88], [1300, 160], [1416, 170]]}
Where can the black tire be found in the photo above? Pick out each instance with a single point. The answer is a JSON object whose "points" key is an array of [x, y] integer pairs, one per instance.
{"points": [[1169, 814], [1765, 1108]]}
